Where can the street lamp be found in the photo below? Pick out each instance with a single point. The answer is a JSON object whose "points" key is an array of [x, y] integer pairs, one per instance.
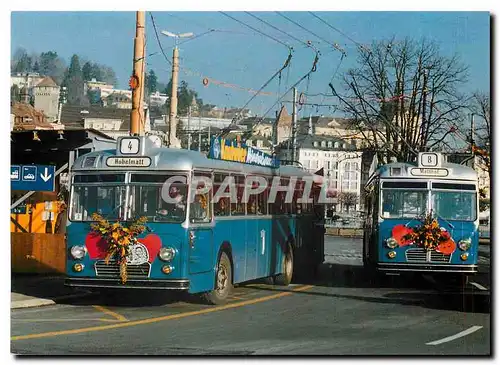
{"points": [[177, 36]]}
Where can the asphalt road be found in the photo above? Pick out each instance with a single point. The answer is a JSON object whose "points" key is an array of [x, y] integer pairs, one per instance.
{"points": [[343, 312]]}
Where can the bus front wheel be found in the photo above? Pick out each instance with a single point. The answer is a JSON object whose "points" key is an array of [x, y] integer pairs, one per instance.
{"points": [[285, 278], [223, 282]]}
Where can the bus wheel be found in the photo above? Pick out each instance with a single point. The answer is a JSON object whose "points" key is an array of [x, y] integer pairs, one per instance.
{"points": [[223, 282], [285, 278]]}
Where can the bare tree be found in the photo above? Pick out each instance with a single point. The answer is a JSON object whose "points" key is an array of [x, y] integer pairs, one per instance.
{"points": [[403, 97], [480, 107], [348, 199]]}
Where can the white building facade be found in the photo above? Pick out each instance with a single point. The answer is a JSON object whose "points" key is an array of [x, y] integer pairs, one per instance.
{"points": [[340, 161]]}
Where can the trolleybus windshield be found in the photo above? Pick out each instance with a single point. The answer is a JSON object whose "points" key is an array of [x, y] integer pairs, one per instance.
{"points": [[454, 204], [103, 194], [403, 199], [157, 201]]}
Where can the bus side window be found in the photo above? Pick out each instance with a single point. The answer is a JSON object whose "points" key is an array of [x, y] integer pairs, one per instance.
{"points": [[262, 202], [256, 202], [239, 207], [201, 207], [276, 206], [222, 207]]}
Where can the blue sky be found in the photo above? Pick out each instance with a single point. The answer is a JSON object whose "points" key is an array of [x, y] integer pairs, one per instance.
{"points": [[242, 57]]}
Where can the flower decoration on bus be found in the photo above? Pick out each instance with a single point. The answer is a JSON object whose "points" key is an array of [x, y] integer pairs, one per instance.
{"points": [[430, 236], [400, 232], [119, 240]]}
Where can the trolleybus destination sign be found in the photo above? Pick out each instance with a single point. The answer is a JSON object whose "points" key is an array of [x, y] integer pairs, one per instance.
{"points": [[128, 161]]}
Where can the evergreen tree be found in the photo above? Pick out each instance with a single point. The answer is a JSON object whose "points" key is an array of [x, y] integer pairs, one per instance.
{"points": [[74, 83], [86, 71], [91, 71], [151, 83], [185, 97], [22, 62], [50, 64], [36, 67], [107, 75]]}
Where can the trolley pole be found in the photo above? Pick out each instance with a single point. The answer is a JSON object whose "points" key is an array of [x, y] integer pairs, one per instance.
{"points": [[137, 79], [294, 126]]}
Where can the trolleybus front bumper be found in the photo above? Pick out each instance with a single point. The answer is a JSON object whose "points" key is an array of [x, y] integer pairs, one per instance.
{"points": [[179, 284], [403, 267]]}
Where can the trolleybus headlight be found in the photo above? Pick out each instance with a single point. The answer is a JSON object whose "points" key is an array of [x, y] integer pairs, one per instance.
{"points": [[78, 252], [166, 269], [78, 267], [464, 244], [166, 254], [391, 242]]}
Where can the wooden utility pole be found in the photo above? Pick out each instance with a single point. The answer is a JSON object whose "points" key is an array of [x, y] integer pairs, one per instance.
{"points": [[189, 128], [199, 131], [294, 126], [173, 141], [137, 80], [472, 128]]}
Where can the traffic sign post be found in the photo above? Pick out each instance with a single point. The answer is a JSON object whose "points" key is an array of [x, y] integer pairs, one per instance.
{"points": [[32, 177]]}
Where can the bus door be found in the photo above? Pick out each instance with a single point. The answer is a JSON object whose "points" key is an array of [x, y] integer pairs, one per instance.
{"points": [[245, 228], [372, 244], [201, 243], [318, 226], [258, 208]]}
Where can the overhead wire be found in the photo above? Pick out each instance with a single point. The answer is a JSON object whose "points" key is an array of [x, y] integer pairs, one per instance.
{"points": [[237, 116], [333, 76], [307, 44], [158, 38], [313, 69], [195, 73], [184, 20], [335, 45], [257, 30], [339, 31]]}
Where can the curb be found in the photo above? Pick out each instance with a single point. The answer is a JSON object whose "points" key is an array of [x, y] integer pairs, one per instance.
{"points": [[41, 302]]}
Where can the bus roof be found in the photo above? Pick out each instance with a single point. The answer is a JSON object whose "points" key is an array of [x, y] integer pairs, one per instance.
{"points": [[446, 171], [173, 159]]}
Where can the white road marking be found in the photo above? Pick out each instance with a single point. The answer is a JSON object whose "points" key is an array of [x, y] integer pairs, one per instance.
{"points": [[454, 337], [479, 286]]}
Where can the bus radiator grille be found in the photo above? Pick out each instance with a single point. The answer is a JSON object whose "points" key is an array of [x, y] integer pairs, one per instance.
{"points": [[113, 270], [421, 255]]}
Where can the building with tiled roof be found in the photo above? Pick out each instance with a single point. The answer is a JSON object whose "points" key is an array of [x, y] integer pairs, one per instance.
{"points": [[26, 117], [114, 122]]}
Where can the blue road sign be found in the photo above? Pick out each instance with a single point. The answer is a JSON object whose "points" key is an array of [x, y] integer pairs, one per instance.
{"points": [[32, 177]]}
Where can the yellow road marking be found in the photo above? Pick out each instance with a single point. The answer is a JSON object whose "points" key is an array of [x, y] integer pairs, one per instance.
{"points": [[66, 320], [160, 319], [110, 312], [235, 297]]}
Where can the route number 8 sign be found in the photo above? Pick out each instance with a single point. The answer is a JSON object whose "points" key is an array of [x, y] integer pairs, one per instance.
{"points": [[428, 159]]}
